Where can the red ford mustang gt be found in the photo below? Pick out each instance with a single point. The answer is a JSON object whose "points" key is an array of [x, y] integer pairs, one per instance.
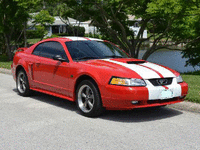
{"points": [[95, 74]]}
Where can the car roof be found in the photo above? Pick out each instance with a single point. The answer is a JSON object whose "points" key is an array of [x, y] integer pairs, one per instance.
{"points": [[75, 38], [62, 39]]}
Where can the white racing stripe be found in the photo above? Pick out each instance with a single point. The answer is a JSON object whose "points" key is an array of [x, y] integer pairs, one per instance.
{"points": [[74, 38], [94, 39], [155, 91], [145, 73], [165, 72]]}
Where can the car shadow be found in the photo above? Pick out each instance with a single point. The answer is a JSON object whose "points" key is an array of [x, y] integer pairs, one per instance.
{"points": [[135, 115], [141, 114], [52, 100]]}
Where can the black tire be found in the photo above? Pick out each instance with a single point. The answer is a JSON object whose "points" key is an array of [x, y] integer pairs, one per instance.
{"points": [[88, 99], [22, 83]]}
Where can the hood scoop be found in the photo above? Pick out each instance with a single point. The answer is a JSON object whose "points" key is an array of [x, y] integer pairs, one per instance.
{"points": [[136, 62]]}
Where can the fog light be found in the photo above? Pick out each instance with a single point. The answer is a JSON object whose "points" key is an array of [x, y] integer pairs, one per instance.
{"points": [[134, 102]]}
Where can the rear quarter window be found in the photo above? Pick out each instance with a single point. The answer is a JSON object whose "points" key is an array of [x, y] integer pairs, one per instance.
{"points": [[38, 49]]}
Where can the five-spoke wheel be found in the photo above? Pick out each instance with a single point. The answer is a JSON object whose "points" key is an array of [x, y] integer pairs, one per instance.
{"points": [[22, 83], [85, 98], [88, 99]]}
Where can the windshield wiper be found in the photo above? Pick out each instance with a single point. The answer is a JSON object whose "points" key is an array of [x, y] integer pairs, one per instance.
{"points": [[113, 56], [86, 57]]}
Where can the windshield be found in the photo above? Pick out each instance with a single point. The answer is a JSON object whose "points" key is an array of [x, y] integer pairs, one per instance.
{"points": [[83, 50]]}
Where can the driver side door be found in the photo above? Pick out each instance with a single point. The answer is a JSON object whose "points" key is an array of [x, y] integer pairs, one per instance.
{"points": [[52, 75]]}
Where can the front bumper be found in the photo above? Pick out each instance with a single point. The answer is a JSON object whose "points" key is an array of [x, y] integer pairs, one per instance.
{"points": [[127, 105], [122, 98]]}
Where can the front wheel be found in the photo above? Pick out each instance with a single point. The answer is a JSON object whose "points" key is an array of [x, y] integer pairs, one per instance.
{"points": [[22, 83], [88, 99]]}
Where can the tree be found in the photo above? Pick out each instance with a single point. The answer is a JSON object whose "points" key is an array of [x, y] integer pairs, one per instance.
{"points": [[11, 17], [111, 18], [43, 19], [192, 51], [14, 15], [28, 6]]}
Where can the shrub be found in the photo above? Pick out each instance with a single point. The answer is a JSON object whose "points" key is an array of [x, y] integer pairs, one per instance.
{"points": [[63, 34], [38, 33], [98, 36], [52, 36]]}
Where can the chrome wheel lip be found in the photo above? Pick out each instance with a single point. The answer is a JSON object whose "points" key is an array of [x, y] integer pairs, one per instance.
{"points": [[86, 98], [21, 82]]}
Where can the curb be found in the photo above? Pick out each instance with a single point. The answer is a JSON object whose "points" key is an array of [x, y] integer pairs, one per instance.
{"points": [[185, 105], [6, 71]]}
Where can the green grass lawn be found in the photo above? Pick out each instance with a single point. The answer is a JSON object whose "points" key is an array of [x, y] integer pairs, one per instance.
{"points": [[193, 80], [4, 63], [33, 41]]}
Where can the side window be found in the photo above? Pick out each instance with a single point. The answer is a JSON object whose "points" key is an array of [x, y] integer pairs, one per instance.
{"points": [[37, 50], [51, 49]]}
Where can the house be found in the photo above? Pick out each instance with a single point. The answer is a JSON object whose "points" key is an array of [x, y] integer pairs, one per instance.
{"points": [[60, 26], [136, 26]]}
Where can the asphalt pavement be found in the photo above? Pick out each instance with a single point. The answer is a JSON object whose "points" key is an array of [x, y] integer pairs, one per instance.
{"points": [[46, 122]]}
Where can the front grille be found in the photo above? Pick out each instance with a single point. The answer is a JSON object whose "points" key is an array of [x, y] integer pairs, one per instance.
{"points": [[161, 81]]}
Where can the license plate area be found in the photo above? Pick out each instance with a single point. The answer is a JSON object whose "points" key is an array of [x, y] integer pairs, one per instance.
{"points": [[166, 94]]}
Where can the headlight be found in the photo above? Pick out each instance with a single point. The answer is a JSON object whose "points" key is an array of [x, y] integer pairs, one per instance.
{"points": [[179, 79], [127, 82]]}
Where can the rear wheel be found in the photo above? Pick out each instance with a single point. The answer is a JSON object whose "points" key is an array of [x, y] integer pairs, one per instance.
{"points": [[88, 99], [22, 83]]}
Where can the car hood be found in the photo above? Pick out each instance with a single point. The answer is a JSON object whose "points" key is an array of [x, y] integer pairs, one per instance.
{"points": [[144, 69]]}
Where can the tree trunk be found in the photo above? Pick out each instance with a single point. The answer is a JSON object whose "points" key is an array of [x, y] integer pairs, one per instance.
{"points": [[25, 36], [133, 54], [149, 52], [8, 48]]}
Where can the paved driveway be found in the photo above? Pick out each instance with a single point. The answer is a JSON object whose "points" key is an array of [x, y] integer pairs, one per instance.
{"points": [[46, 122]]}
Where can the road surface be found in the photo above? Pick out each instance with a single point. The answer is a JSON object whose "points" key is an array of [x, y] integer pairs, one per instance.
{"points": [[46, 122]]}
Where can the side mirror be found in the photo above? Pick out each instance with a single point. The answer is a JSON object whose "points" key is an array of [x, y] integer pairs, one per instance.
{"points": [[59, 58]]}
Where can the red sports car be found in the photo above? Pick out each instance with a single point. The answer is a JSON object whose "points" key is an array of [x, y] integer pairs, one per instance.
{"points": [[95, 74]]}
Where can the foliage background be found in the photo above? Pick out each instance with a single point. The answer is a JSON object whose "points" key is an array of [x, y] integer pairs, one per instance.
{"points": [[168, 22]]}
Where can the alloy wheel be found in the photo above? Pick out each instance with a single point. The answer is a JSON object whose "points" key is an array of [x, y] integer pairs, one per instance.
{"points": [[86, 98], [21, 82]]}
